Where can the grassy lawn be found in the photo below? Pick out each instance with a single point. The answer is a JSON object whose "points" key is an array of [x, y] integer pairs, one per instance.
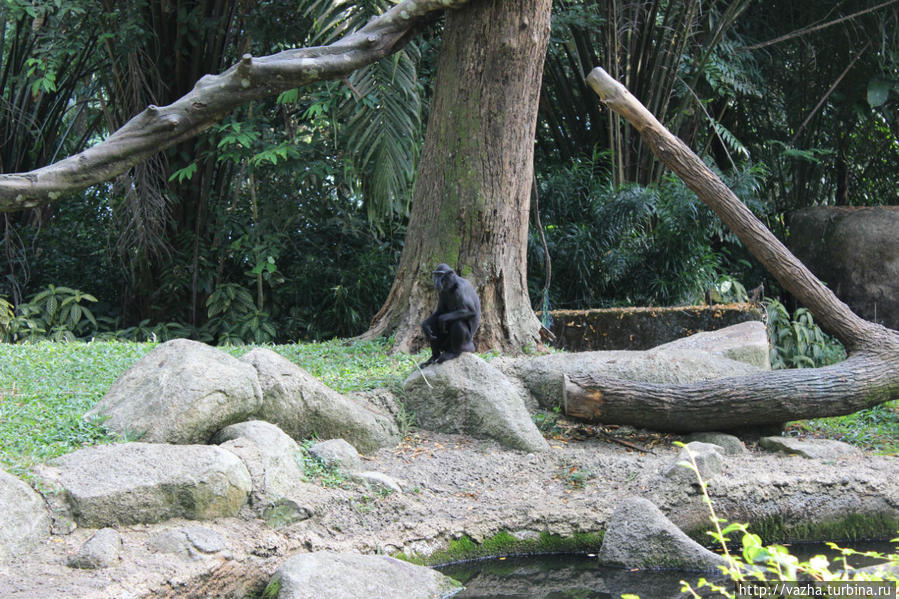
{"points": [[45, 389]]}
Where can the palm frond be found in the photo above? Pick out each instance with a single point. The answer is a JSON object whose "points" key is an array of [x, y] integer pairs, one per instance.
{"points": [[383, 132]]}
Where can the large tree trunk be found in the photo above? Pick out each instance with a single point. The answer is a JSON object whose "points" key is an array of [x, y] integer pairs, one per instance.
{"points": [[472, 195], [869, 377]]}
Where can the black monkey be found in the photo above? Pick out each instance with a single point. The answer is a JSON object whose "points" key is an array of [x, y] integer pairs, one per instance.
{"points": [[452, 325]]}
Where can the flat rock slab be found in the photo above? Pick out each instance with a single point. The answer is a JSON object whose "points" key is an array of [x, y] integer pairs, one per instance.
{"points": [[327, 575], [24, 520], [822, 449], [744, 342], [181, 392], [136, 483]]}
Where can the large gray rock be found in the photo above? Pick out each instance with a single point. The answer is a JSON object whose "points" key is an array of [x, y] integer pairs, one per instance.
{"points": [[744, 342], [24, 520], [823, 449], [855, 251], [135, 483], [303, 407], [181, 392], [640, 536], [327, 575], [467, 395], [269, 454]]}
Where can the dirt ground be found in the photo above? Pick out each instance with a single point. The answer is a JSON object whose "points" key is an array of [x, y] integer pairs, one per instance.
{"points": [[456, 487]]}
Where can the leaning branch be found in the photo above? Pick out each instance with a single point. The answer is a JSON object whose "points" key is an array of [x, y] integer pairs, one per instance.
{"points": [[212, 98], [833, 315], [869, 376]]}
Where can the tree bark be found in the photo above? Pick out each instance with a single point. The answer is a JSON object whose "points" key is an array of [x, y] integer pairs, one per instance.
{"points": [[212, 98], [861, 381], [870, 375], [472, 196]]}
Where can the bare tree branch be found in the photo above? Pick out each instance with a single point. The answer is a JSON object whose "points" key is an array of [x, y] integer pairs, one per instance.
{"points": [[869, 376], [833, 315], [211, 99]]}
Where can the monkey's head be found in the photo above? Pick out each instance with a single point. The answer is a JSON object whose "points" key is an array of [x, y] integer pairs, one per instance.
{"points": [[443, 277]]}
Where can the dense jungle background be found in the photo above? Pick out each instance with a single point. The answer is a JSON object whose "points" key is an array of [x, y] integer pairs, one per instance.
{"points": [[285, 221]]}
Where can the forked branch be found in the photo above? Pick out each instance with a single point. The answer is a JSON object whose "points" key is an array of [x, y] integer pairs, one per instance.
{"points": [[212, 98]]}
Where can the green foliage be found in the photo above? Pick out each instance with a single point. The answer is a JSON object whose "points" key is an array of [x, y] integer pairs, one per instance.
{"points": [[56, 313], [727, 290], [300, 201], [314, 470], [234, 319], [7, 314], [797, 342], [272, 590], [760, 563], [875, 428], [383, 131], [632, 245], [45, 389], [547, 420]]}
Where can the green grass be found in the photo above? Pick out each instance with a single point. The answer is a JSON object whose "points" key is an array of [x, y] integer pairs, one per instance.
{"points": [[348, 367], [45, 388], [876, 428]]}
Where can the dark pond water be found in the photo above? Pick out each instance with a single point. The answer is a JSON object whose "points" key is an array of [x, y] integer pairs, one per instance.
{"points": [[581, 577]]}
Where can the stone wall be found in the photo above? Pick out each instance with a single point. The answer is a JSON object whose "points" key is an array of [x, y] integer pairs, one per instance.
{"points": [[641, 328], [856, 252]]}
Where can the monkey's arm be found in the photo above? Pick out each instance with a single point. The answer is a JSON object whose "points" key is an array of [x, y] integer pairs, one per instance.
{"points": [[456, 315], [429, 323]]}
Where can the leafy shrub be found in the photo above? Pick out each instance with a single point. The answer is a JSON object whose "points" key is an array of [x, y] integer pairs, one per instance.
{"points": [[631, 245], [56, 313], [234, 318], [797, 342]]}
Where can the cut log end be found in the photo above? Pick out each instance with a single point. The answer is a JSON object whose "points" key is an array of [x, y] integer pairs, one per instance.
{"points": [[578, 402]]}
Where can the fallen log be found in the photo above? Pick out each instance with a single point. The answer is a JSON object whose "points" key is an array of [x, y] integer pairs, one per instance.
{"points": [[861, 381]]}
